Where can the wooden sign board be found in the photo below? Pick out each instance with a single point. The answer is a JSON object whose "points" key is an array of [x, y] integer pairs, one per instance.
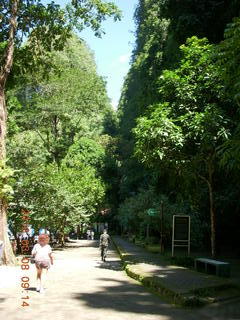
{"points": [[181, 232]]}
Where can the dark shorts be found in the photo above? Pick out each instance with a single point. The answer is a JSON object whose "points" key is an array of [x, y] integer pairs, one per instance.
{"points": [[45, 264]]}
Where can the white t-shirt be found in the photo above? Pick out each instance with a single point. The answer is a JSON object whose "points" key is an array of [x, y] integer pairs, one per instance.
{"points": [[42, 253]]}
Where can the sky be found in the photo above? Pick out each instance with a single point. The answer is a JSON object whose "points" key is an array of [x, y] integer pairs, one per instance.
{"points": [[113, 51]]}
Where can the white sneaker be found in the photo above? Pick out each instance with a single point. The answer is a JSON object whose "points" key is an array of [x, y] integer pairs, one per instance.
{"points": [[38, 287]]}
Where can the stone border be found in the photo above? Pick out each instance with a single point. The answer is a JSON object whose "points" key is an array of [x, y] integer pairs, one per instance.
{"points": [[191, 299]]}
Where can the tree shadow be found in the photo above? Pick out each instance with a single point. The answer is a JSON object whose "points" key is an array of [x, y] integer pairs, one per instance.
{"points": [[110, 265], [125, 296], [178, 278], [222, 311], [66, 248]]}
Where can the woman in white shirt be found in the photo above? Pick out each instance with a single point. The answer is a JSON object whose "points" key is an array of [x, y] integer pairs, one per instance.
{"points": [[42, 254]]}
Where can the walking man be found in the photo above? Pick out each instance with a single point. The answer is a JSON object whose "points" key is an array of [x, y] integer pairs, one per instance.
{"points": [[104, 243]]}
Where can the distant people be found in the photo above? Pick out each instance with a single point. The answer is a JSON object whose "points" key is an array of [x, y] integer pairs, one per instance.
{"points": [[92, 235], [31, 232], [36, 238], [42, 254], [88, 234], [53, 239], [72, 235], [104, 243], [24, 236]]}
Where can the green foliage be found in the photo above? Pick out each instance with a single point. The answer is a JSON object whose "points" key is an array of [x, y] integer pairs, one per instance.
{"points": [[177, 114], [228, 60], [227, 54], [58, 118], [229, 153], [58, 196], [157, 137], [85, 151], [200, 18], [47, 27], [190, 125], [6, 190], [56, 142], [134, 219]]}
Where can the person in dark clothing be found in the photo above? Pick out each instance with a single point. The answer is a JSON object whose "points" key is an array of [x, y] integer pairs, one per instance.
{"points": [[104, 243]]}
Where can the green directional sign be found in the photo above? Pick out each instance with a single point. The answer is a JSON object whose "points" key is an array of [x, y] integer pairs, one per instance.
{"points": [[152, 212]]}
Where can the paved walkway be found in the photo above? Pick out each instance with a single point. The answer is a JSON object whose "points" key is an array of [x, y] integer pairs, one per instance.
{"points": [[175, 278], [82, 287]]}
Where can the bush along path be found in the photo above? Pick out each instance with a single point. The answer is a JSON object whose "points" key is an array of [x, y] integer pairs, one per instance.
{"points": [[179, 285]]}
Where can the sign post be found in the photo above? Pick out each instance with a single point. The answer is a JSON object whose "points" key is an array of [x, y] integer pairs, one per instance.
{"points": [[153, 213], [161, 241], [181, 232]]}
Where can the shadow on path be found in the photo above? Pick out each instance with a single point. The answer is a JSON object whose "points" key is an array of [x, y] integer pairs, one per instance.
{"points": [[122, 296], [110, 265], [125, 297]]}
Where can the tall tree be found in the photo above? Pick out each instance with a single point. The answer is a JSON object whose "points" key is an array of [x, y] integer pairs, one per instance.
{"points": [[190, 126], [47, 27], [161, 28], [56, 142]]}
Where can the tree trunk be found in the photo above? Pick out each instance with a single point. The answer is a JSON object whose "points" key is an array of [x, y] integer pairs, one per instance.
{"points": [[78, 232], [62, 234], [55, 151], [147, 232], [62, 239], [212, 210], [8, 255], [209, 181]]}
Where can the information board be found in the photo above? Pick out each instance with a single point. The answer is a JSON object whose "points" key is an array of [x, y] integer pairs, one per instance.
{"points": [[181, 232], [181, 227]]}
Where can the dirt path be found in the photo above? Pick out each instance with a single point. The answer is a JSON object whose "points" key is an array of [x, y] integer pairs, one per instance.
{"points": [[82, 287]]}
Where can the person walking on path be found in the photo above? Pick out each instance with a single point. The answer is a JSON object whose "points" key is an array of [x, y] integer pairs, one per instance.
{"points": [[104, 243], [42, 254], [92, 235]]}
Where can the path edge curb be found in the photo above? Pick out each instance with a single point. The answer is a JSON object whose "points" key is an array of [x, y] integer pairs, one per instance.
{"points": [[153, 283]]}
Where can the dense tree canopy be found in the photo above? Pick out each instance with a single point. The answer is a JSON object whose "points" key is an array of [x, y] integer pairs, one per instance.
{"points": [[54, 141], [30, 32], [179, 116], [175, 139]]}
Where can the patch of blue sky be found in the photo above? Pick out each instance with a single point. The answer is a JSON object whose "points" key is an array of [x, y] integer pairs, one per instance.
{"points": [[113, 51]]}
